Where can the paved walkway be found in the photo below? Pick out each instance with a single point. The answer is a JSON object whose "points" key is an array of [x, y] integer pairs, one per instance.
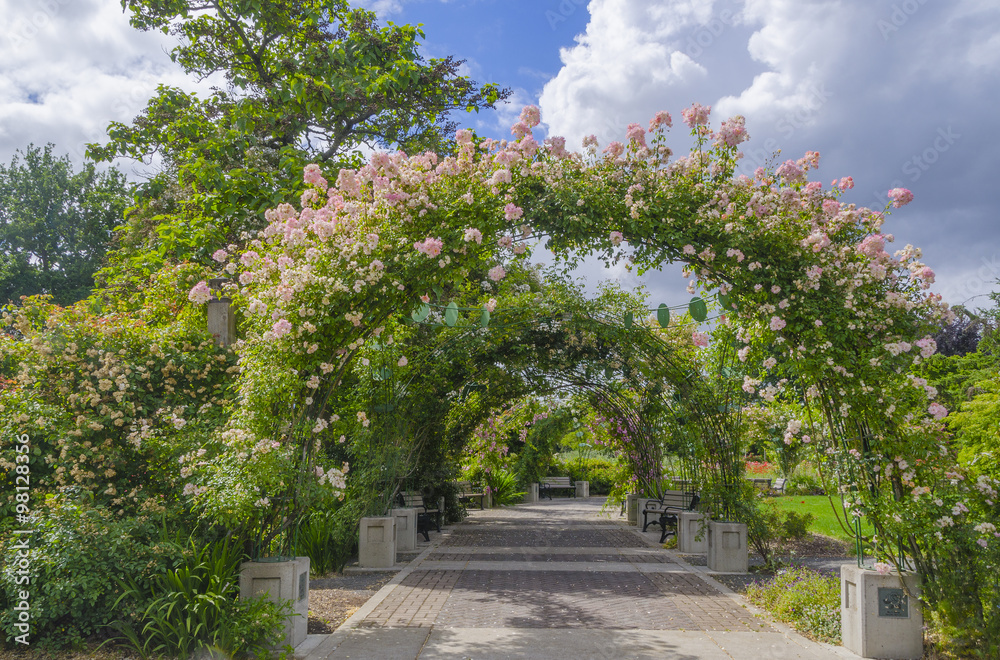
{"points": [[557, 580]]}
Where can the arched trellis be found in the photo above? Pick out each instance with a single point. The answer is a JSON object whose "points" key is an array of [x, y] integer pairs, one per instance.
{"points": [[810, 274], [630, 370]]}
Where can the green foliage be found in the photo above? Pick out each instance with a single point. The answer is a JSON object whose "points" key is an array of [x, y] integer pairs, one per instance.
{"points": [[503, 488], [603, 474], [55, 224], [196, 606], [77, 552], [308, 81], [328, 538], [806, 599]]}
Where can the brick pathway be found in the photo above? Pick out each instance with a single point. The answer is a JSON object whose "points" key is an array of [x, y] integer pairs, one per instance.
{"points": [[506, 595], [556, 580]]}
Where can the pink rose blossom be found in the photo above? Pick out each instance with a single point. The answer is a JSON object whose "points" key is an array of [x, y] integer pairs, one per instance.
{"points": [[425, 298], [403, 361], [200, 293], [699, 339], [900, 197], [882, 568], [615, 149], [937, 410], [220, 255], [473, 234], [281, 328], [430, 246], [512, 212], [732, 132], [616, 238], [491, 304], [777, 323], [636, 135], [696, 115], [497, 273], [661, 118]]}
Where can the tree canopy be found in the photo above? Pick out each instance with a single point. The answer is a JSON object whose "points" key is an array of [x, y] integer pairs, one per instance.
{"points": [[55, 224], [307, 81]]}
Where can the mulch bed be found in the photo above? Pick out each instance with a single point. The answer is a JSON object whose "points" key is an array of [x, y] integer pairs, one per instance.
{"points": [[333, 598]]}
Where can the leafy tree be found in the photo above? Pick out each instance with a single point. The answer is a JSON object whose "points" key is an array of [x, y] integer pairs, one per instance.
{"points": [[308, 81], [960, 336], [55, 224]]}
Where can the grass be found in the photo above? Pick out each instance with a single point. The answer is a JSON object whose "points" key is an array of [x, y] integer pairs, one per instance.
{"points": [[825, 522]]}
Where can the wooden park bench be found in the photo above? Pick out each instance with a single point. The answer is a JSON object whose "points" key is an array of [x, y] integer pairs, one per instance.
{"points": [[664, 510], [779, 486], [761, 483], [428, 515], [548, 484], [466, 493]]}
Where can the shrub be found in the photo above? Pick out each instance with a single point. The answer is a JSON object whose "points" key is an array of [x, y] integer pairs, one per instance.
{"points": [[197, 606], [603, 474], [804, 598], [804, 482], [328, 539], [76, 552], [503, 488]]}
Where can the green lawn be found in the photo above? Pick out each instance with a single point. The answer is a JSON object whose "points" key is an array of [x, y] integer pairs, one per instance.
{"points": [[819, 505]]}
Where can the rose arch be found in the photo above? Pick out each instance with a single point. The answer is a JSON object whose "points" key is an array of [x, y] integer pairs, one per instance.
{"points": [[815, 304]]}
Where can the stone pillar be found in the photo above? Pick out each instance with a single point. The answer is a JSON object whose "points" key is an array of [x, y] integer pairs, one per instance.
{"points": [[487, 499], [582, 488], [631, 504], [406, 529], [877, 618], [531, 497], [281, 580], [221, 317], [377, 542], [692, 532], [640, 506], [727, 547]]}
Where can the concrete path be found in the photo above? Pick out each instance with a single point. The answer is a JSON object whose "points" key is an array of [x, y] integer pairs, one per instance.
{"points": [[557, 580]]}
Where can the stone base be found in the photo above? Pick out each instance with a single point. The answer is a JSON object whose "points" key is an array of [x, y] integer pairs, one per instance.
{"points": [[531, 497], [727, 547], [377, 542], [281, 580], [631, 504], [640, 506], [582, 488], [406, 529], [692, 533], [886, 625]]}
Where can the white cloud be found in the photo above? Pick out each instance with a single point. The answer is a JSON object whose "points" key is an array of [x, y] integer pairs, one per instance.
{"points": [[623, 66], [70, 67]]}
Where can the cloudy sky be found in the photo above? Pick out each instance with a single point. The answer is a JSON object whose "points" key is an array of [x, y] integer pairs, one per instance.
{"points": [[892, 92]]}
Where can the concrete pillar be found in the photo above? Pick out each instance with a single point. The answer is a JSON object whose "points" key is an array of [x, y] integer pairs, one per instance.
{"points": [[692, 532], [377, 542], [221, 317], [281, 580], [582, 488], [531, 497], [640, 506], [406, 529], [727, 547], [631, 504], [877, 618]]}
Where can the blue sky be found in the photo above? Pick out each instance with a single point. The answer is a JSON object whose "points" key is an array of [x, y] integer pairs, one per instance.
{"points": [[891, 92]]}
